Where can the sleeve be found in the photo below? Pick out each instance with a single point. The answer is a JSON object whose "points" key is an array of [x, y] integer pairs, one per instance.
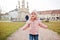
{"points": [[27, 23], [42, 24], [39, 21]]}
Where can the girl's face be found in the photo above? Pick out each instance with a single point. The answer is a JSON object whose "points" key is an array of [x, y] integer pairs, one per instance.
{"points": [[33, 15]]}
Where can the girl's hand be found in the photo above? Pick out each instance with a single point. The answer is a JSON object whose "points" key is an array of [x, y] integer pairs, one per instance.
{"points": [[26, 26], [23, 29], [45, 27]]}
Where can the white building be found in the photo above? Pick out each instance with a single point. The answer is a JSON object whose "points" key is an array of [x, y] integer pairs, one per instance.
{"points": [[50, 15], [13, 14], [23, 11], [5, 17], [20, 12]]}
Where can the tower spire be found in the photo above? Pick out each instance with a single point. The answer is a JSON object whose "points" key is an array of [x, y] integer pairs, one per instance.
{"points": [[19, 4], [23, 3], [27, 5]]}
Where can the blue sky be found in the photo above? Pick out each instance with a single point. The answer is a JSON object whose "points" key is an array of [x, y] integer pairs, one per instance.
{"points": [[38, 5]]}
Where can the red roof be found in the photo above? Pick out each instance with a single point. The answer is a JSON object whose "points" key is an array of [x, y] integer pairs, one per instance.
{"points": [[49, 12]]}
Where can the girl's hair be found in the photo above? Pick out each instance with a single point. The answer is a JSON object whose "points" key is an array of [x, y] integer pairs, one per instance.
{"points": [[35, 14]]}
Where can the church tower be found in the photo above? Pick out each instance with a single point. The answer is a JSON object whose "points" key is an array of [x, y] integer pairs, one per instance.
{"points": [[23, 11], [27, 5], [23, 3], [18, 4]]}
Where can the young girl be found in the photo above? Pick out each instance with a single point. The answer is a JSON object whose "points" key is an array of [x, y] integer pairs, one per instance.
{"points": [[34, 23]]}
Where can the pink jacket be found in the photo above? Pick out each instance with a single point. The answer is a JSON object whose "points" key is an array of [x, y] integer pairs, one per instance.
{"points": [[34, 26]]}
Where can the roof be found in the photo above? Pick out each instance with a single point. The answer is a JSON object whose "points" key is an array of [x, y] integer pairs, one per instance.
{"points": [[49, 12], [13, 10], [56, 11]]}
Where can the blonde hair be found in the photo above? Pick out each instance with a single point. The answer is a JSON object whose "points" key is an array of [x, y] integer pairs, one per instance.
{"points": [[35, 13]]}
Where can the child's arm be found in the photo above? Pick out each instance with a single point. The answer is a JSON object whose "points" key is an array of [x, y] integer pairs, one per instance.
{"points": [[26, 26], [42, 25]]}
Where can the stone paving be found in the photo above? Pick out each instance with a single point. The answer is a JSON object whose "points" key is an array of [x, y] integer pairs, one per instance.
{"points": [[44, 34]]}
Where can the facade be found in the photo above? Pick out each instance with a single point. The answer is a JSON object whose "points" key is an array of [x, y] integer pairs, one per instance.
{"points": [[4, 17], [13, 15], [23, 11], [50, 14], [19, 13]]}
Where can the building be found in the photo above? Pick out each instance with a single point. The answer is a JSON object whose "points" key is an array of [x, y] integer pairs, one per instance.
{"points": [[23, 11], [13, 15], [50, 14], [20, 12], [5, 17]]}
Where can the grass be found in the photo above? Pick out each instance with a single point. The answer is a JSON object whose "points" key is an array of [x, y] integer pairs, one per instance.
{"points": [[7, 28], [55, 26]]}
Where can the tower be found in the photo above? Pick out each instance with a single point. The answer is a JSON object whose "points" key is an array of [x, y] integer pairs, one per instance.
{"points": [[18, 4], [23, 3], [27, 5]]}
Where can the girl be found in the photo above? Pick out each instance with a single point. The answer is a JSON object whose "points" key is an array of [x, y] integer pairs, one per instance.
{"points": [[34, 23]]}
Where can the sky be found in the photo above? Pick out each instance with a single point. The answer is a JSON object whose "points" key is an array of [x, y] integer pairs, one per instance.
{"points": [[39, 5]]}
